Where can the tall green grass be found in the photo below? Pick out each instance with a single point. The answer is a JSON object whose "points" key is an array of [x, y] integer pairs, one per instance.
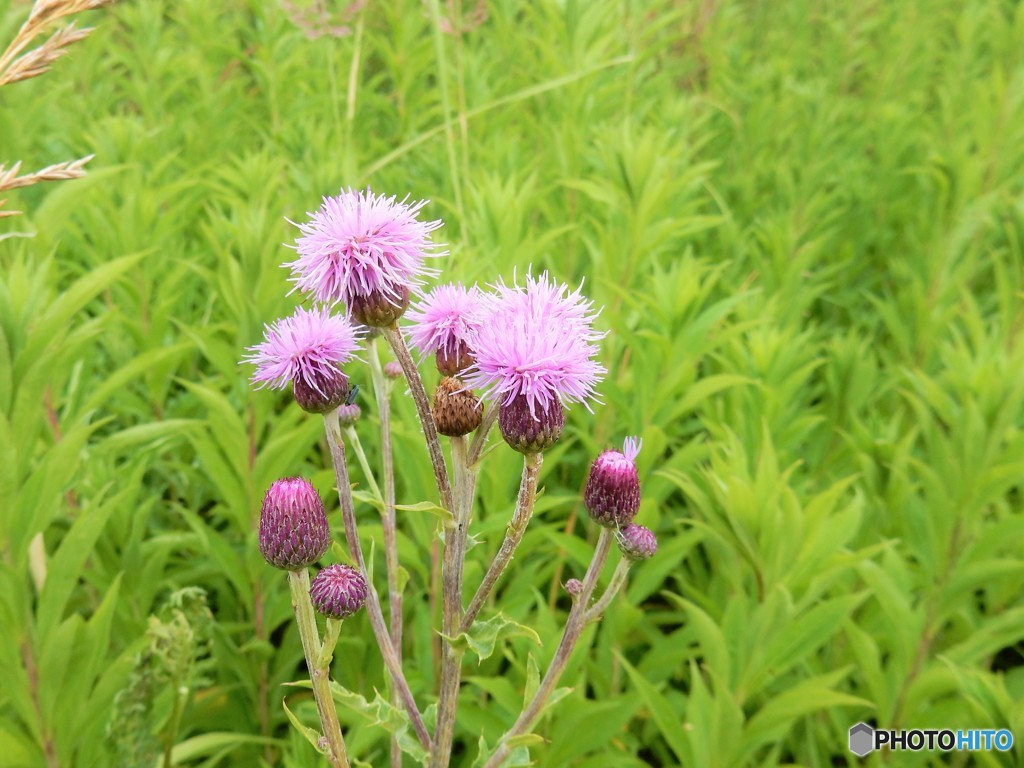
{"points": [[805, 221]]}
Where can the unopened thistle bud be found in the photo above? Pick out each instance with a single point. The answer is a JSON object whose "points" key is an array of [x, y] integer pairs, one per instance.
{"points": [[612, 494], [574, 587], [293, 526], [457, 411], [338, 591], [531, 432], [349, 414], [637, 542], [321, 391], [393, 370]]}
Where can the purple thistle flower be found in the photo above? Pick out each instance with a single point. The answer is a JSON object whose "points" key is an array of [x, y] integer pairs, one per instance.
{"points": [[364, 250], [305, 350], [537, 343], [444, 322], [612, 493], [338, 591], [293, 526], [637, 542]]}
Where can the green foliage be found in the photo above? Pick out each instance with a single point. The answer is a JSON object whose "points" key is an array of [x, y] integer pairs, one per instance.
{"points": [[805, 224]]}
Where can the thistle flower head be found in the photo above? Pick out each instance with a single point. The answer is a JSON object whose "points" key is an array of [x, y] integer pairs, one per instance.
{"points": [[612, 494], [293, 526], [393, 369], [536, 342], [574, 587], [305, 350], [338, 591], [365, 250], [444, 322], [637, 542]]}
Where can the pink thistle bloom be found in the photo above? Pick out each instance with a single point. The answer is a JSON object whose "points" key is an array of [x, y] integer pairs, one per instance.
{"points": [[363, 246], [537, 343], [444, 322], [307, 347]]}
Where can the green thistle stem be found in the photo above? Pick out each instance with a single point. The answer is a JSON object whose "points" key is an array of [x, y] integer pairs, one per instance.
{"points": [[318, 674], [574, 626]]}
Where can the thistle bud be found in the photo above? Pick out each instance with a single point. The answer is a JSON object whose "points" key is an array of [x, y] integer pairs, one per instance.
{"points": [[451, 362], [612, 494], [338, 591], [378, 309], [349, 414], [393, 370], [637, 542], [457, 411], [574, 587], [293, 526], [325, 390], [531, 431]]}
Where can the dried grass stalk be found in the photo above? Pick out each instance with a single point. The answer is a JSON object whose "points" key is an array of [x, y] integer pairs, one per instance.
{"points": [[20, 61]]}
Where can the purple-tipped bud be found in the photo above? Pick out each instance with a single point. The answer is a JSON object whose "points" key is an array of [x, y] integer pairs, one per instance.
{"points": [[612, 495], [349, 414], [531, 432], [574, 587], [338, 591], [379, 309], [637, 542], [327, 390], [293, 527], [457, 411], [393, 370]]}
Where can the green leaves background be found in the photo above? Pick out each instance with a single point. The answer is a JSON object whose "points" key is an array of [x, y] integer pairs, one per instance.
{"points": [[806, 224]]}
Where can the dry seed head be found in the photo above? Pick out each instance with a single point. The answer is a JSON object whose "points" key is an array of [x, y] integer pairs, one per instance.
{"points": [[457, 411]]}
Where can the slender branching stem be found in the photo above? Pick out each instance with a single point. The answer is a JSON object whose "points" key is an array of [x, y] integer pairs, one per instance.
{"points": [[357, 447], [373, 609], [382, 392], [574, 626], [318, 673], [513, 535], [618, 580], [419, 396], [331, 635], [454, 559], [480, 436]]}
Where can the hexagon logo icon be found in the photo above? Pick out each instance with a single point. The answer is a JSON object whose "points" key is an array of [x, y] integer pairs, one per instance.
{"points": [[862, 739]]}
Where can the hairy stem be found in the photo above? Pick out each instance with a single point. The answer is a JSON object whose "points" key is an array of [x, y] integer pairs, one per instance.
{"points": [[513, 535], [618, 580], [318, 674], [419, 396], [451, 576], [382, 391], [574, 626], [373, 609]]}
